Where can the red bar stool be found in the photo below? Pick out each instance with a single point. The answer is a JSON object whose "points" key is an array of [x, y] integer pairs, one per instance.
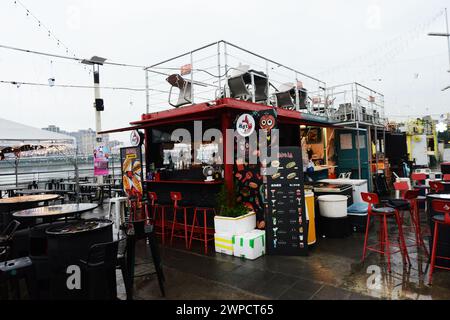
{"points": [[176, 197], [411, 196], [436, 186], [204, 231], [382, 213], [439, 219], [418, 180], [158, 215]]}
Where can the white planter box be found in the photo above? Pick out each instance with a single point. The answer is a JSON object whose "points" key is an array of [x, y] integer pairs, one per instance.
{"points": [[250, 245], [224, 243], [235, 226]]}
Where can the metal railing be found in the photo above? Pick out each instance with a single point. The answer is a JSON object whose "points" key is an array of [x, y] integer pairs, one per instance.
{"points": [[42, 176], [209, 68], [354, 102]]}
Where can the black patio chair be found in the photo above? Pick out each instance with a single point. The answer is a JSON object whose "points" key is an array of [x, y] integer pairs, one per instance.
{"points": [[100, 269]]}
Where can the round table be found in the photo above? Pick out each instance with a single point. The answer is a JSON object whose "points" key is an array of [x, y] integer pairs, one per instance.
{"points": [[7, 205], [55, 211], [443, 245], [69, 243], [29, 199]]}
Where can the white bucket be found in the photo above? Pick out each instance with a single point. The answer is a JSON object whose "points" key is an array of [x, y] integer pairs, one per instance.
{"points": [[333, 206]]}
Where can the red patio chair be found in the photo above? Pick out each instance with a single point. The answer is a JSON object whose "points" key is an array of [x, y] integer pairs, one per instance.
{"points": [[443, 207]]}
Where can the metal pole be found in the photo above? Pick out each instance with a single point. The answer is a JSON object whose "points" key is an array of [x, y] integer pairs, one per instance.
{"points": [[98, 115], [297, 97], [357, 147], [448, 38], [77, 177], [147, 97], [16, 170], [252, 76], [192, 79], [218, 70], [225, 54]]}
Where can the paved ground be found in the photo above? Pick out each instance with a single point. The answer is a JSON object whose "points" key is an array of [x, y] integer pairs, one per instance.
{"points": [[332, 271]]}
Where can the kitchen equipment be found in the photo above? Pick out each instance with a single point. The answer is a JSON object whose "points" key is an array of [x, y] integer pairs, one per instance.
{"points": [[333, 206], [358, 186]]}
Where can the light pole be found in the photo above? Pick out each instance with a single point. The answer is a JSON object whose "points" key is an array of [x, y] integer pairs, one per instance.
{"points": [[96, 62], [447, 35]]}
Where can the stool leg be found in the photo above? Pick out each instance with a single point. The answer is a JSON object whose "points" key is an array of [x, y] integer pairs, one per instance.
{"points": [[173, 223], [433, 251], [386, 237], [205, 230], [402, 240], [163, 225], [185, 228], [366, 237], [126, 278], [194, 220], [157, 261]]}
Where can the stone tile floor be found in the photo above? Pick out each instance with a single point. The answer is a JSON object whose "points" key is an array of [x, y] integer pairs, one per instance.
{"points": [[332, 270]]}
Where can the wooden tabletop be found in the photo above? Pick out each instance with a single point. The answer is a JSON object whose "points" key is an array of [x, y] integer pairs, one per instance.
{"points": [[29, 199], [55, 210]]}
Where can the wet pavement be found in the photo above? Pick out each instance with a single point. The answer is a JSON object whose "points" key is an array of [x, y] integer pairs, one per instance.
{"points": [[333, 270]]}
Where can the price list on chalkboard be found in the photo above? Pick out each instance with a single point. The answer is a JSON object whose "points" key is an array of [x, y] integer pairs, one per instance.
{"points": [[285, 215]]}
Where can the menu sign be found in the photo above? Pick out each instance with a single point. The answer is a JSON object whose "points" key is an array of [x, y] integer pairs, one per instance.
{"points": [[286, 225], [132, 180]]}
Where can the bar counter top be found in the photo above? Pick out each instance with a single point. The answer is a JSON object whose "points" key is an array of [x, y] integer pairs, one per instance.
{"points": [[184, 181]]}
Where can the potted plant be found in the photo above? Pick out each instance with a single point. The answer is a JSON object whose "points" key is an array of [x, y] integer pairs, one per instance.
{"points": [[232, 217]]}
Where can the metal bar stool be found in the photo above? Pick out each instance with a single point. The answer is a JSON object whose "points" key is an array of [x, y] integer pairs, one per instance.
{"points": [[176, 197], [383, 213], [204, 231], [440, 219], [158, 215]]}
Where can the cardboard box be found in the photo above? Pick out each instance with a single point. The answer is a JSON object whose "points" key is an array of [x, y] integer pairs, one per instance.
{"points": [[239, 225], [224, 242], [250, 245]]}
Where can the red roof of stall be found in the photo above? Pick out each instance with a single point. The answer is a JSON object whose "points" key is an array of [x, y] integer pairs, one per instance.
{"points": [[213, 110]]}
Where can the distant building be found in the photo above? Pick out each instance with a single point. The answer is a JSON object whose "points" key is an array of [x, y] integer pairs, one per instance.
{"points": [[85, 139]]}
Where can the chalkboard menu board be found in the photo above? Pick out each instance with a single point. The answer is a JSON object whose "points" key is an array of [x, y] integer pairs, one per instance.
{"points": [[285, 215]]}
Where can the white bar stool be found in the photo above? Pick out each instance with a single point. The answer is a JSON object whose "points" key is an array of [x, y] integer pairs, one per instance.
{"points": [[117, 214]]}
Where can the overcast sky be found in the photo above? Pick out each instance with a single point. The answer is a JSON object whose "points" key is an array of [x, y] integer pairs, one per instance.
{"points": [[382, 44]]}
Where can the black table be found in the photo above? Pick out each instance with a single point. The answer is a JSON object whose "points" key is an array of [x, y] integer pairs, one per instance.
{"points": [[10, 191], [443, 245], [67, 245]]}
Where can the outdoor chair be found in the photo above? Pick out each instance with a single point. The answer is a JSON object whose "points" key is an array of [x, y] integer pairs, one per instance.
{"points": [[100, 270], [374, 210], [184, 86], [6, 236], [443, 207]]}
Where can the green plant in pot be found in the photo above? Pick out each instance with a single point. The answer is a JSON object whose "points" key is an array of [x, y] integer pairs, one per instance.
{"points": [[227, 205]]}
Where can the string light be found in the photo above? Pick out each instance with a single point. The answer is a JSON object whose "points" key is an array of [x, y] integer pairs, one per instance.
{"points": [[50, 34]]}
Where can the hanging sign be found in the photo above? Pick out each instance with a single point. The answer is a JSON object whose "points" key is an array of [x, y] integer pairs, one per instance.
{"points": [[101, 161], [286, 223], [136, 138], [245, 125]]}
